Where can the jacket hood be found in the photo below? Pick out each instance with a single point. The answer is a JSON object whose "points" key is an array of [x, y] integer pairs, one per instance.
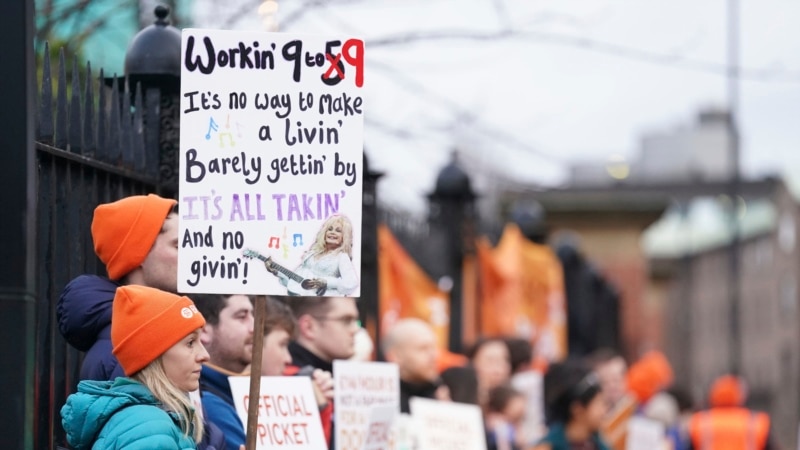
{"points": [[84, 309], [87, 411]]}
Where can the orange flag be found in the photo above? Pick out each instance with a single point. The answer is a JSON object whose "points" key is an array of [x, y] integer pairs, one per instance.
{"points": [[522, 290], [405, 290]]}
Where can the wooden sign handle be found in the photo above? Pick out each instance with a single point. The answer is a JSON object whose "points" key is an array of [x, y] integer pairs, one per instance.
{"points": [[260, 317]]}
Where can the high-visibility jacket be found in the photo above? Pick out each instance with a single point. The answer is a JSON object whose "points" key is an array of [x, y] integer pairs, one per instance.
{"points": [[729, 429]]}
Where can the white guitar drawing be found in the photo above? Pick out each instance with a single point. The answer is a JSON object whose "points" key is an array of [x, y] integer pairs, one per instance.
{"points": [[296, 279]]}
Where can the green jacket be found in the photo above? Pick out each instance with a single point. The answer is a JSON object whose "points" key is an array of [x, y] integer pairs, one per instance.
{"points": [[120, 414]]}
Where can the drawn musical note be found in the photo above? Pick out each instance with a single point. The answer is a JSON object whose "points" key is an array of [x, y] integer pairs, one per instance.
{"points": [[297, 237], [274, 240], [212, 126], [230, 139], [238, 129], [285, 245], [225, 134]]}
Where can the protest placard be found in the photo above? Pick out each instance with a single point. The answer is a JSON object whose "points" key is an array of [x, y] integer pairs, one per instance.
{"points": [[448, 426], [288, 417], [364, 394], [380, 428], [645, 434], [197, 402], [270, 163], [532, 384]]}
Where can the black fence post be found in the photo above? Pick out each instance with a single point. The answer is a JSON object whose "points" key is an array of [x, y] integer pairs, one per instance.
{"points": [[452, 221], [153, 64], [17, 195], [368, 304]]}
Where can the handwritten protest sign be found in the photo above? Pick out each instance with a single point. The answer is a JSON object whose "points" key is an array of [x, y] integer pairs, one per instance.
{"points": [[448, 426], [288, 417], [362, 394], [645, 434], [271, 161], [380, 428]]}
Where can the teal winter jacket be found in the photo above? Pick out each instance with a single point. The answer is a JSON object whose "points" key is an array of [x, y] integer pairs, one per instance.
{"points": [[120, 414]]}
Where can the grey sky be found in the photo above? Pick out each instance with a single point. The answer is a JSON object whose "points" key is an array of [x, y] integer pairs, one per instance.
{"points": [[580, 80]]}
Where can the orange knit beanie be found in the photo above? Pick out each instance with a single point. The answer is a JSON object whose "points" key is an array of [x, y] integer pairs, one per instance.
{"points": [[124, 231], [727, 391], [146, 322], [649, 375]]}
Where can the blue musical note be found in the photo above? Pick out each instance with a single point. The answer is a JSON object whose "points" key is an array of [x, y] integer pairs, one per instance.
{"points": [[297, 237], [212, 126]]}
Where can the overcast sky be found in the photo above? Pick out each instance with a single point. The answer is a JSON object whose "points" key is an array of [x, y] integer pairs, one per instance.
{"points": [[574, 81]]}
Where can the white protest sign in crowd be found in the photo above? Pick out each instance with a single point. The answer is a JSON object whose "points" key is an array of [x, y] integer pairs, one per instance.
{"points": [[288, 417], [366, 394], [447, 426], [271, 161], [645, 434]]}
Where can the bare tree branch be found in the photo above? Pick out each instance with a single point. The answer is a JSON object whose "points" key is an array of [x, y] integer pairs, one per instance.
{"points": [[612, 49], [465, 114]]}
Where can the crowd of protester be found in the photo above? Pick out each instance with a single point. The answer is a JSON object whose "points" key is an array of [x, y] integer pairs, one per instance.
{"points": [[147, 347]]}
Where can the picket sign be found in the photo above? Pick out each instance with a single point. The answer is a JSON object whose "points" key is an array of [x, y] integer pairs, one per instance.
{"points": [[366, 401], [446, 425], [287, 416]]}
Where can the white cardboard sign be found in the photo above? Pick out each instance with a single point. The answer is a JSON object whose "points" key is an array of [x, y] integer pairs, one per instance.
{"points": [[365, 395], [288, 417], [644, 434], [447, 425], [270, 163]]}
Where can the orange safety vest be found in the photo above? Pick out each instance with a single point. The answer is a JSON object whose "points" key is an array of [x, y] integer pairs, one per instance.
{"points": [[729, 429]]}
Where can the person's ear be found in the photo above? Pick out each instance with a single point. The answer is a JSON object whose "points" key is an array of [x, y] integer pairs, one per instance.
{"points": [[306, 326], [206, 334]]}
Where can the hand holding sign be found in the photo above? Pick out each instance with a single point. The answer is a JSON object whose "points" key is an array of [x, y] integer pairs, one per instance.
{"points": [[323, 387]]}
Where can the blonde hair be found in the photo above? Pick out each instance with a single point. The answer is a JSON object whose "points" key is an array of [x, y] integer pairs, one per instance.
{"points": [[172, 398], [347, 235]]}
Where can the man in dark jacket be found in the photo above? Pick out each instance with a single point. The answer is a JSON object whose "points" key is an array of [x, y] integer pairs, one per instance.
{"points": [[326, 330], [136, 238]]}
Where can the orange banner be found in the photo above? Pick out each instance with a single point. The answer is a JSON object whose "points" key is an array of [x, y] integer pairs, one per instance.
{"points": [[405, 290], [522, 293]]}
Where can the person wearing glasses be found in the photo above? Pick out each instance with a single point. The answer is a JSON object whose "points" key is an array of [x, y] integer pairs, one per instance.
{"points": [[326, 331], [574, 408]]}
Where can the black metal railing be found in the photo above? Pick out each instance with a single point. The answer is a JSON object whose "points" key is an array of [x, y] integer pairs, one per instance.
{"points": [[90, 149]]}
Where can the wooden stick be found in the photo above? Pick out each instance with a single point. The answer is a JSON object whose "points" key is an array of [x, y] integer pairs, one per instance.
{"points": [[260, 317]]}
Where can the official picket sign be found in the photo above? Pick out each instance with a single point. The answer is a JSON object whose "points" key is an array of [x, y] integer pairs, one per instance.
{"points": [[270, 163], [447, 426], [288, 417], [366, 399]]}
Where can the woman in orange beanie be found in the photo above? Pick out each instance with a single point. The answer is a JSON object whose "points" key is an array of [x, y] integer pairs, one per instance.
{"points": [[155, 336]]}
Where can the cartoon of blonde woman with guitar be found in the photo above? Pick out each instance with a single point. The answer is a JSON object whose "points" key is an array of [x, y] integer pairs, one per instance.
{"points": [[326, 268]]}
